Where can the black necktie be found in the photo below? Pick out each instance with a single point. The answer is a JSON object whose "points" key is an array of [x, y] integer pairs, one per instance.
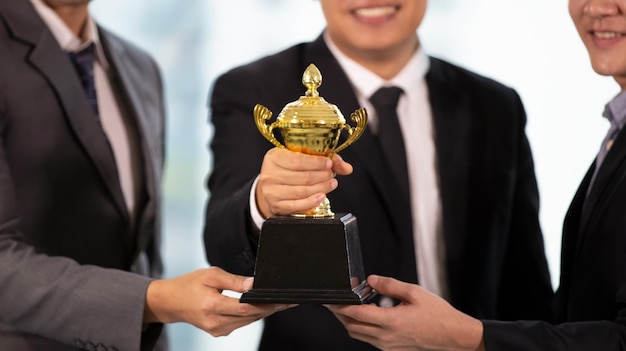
{"points": [[84, 64], [385, 101]]}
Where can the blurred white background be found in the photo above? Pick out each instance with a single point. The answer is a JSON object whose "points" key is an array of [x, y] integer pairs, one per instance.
{"points": [[529, 45]]}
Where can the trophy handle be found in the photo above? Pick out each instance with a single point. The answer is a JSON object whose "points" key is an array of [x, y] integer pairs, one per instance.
{"points": [[360, 118], [261, 115]]}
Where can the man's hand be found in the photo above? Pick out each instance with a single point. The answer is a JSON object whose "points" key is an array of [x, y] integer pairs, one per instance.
{"points": [[196, 298], [422, 321], [292, 182]]}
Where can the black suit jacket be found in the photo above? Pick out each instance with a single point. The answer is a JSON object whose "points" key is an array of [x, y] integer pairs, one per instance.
{"points": [[591, 297], [495, 258], [65, 233]]}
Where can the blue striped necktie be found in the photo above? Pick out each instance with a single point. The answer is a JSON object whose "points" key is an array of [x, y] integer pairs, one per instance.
{"points": [[83, 62]]}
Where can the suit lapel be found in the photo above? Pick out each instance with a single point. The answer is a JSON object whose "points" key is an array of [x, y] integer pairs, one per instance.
{"points": [[139, 111], [452, 125], [48, 58], [584, 214], [610, 175]]}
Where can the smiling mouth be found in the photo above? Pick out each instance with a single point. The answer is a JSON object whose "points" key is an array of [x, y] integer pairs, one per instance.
{"points": [[606, 35], [378, 11]]}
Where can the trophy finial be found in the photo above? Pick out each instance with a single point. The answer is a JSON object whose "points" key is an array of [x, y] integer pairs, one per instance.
{"points": [[312, 79]]}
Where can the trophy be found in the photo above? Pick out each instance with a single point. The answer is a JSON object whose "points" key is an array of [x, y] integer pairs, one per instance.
{"points": [[312, 256]]}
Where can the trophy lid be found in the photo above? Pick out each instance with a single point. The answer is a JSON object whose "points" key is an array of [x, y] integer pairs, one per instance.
{"points": [[311, 110]]}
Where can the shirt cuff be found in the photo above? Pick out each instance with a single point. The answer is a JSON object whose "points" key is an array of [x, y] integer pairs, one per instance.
{"points": [[257, 218]]}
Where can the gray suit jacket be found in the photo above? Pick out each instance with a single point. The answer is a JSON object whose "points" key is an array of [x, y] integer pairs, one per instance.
{"points": [[67, 246]]}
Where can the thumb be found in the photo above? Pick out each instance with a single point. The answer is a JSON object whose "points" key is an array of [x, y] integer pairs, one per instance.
{"points": [[220, 279], [247, 284], [241, 284], [340, 166], [391, 287]]}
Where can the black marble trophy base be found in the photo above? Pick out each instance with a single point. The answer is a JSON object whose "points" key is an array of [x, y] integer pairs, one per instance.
{"points": [[309, 261]]}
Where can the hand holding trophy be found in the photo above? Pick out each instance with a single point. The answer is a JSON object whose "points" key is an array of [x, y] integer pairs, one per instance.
{"points": [[312, 256]]}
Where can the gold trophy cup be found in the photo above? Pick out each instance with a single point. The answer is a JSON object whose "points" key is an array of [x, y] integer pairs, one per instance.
{"points": [[312, 256], [312, 126]]}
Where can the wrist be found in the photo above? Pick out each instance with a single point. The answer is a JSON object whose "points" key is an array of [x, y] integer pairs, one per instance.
{"points": [[154, 309], [472, 336], [258, 205]]}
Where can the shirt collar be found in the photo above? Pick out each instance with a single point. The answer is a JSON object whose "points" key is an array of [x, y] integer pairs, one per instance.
{"points": [[615, 110], [366, 82], [67, 40]]}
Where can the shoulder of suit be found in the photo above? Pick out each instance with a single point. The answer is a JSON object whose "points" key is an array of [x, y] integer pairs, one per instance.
{"points": [[456, 74], [119, 44], [286, 60], [279, 73]]}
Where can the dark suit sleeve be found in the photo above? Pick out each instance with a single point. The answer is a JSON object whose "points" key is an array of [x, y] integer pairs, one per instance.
{"points": [[571, 336], [237, 149], [535, 335], [526, 291]]}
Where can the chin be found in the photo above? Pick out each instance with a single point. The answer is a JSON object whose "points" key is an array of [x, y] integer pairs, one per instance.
{"points": [[604, 68]]}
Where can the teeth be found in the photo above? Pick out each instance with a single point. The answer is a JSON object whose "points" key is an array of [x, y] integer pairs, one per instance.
{"points": [[376, 11], [607, 35]]}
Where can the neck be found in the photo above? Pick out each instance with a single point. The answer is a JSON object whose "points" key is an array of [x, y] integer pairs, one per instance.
{"points": [[621, 81], [386, 63], [74, 15]]}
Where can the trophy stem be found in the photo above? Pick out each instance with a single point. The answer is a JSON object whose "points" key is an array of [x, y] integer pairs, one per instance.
{"points": [[321, 211]]}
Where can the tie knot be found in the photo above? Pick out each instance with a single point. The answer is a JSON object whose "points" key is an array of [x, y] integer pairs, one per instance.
{"points": [[386, 97], [84, 56]]}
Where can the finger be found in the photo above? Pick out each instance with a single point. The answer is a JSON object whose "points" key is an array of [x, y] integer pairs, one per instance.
{"points": [[231, 307], [340, 166], [297, 161], [227, 306], [392, 287], [362, 314], [277, 193], [348, 317], [247, 284], [282, 199], [218, 278], [284, 207], [282, 176], [360, 330], [221, 325], [281, 306]]}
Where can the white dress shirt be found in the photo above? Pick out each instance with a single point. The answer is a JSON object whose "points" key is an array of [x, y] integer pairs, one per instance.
{"points": [[415, 119]]}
